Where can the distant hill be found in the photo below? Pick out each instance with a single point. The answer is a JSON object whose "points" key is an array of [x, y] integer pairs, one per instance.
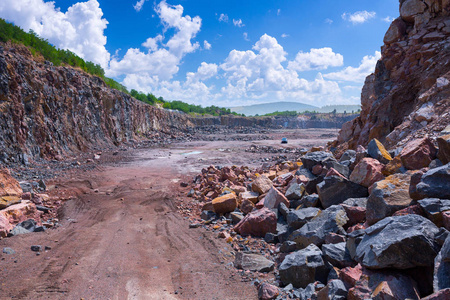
{"points": [[339, 108], [267, 108]]}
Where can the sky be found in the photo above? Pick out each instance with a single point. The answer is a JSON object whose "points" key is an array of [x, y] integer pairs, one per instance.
{"points": [[225, 53]]}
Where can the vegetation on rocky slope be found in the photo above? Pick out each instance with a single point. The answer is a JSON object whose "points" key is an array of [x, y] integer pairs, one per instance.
{"points": [[39, 46]]}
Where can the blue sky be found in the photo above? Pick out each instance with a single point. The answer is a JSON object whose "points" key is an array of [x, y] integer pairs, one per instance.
{"points": [[225, 53]]}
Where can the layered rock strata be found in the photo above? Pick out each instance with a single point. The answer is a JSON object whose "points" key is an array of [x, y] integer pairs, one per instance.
{"points": [[48, 111], [408, 95]]}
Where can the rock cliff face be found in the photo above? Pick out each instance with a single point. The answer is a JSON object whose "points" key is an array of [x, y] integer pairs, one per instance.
{"points": [[48, 111], [408, 95], [300, 122]]}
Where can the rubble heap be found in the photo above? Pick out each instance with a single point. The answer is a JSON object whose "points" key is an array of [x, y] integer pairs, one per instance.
{"points": [[373, 224]]}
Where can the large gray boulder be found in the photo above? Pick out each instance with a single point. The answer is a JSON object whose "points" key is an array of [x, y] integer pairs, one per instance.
{"points": [[434, 208], [338, 255], [330, 162], [334, 290], [303, 267], [295, 191], [399, 242], [435, 183], [311, 159], [253, 262], [441, 278], [298, 218], [329, 220], [334, 190]]}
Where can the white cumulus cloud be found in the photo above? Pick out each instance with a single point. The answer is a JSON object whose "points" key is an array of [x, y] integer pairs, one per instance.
{"points": [[138, 6], [260, 74], [80, 29], [388, 19], [316, 59], [223, 18], [358, 17], [359, 73], [161, 61], [206, 45], [238, 23], [205, 71]]}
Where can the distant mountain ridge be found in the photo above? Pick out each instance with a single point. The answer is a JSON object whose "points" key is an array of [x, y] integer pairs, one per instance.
{"points": [[267, 108]]}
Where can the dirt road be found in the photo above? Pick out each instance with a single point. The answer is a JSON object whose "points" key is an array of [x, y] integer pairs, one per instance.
{"points": [[122, 238]]}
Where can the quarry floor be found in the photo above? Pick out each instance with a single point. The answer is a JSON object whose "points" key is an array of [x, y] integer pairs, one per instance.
{"points": [[121, 236]]}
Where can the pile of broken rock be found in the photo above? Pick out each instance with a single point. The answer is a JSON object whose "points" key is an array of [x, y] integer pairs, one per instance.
{"points": [[24, 208], [373, 224]]}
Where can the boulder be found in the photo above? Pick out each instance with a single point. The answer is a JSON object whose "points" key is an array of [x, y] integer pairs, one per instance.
{"points": [[250, 196], [395, 32], [268, 291], [441, 279], [434, 209], [15, 214], [337, 255], [303, 267], [334, 238], [257, 223], [350, 275], [376, 150], [383, 285], [329, 220], [353, 239], [394, 166], [418, 154], [388, 196], [444, 148], [283, 210], [334, 290], [225, 204], [288, 246], [367, 172], [310, 201], [434, 183], [274, 197], [262, 184], [246, 206], [295, 191], [335, 190], [253, 262], [410, 8], [302, 171], [416, 177], [314, 158], [27, 226], [349, 155], [9, 186], [331, 163], [398, 242], [298, 218], [355, 208], [6, 201]]}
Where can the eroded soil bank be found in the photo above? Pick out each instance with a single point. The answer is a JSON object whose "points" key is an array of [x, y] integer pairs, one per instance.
{"points": [[121, 237]]}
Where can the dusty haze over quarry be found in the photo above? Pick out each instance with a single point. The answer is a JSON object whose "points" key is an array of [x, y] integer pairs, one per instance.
{"points": [[232, 53]]}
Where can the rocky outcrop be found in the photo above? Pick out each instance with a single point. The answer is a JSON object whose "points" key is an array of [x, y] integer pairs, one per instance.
{"points": [[408, 95], [48, 111], [299, 122]]}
